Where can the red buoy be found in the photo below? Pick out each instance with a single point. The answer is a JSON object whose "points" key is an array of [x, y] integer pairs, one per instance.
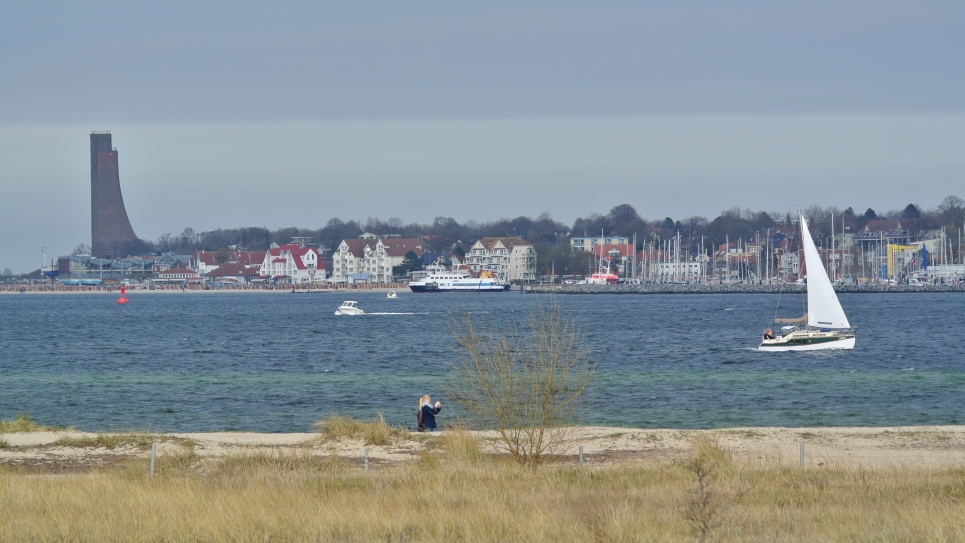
{"points": [[122, 299]]}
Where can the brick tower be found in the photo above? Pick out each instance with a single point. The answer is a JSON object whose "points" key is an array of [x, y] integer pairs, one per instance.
{"points": [[110, 229]]}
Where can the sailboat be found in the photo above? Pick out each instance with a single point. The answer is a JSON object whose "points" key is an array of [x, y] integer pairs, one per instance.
{"points": [[824, 326]]}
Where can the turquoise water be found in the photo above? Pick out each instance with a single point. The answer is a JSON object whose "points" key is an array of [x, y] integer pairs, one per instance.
{"points": [[279, 362]]}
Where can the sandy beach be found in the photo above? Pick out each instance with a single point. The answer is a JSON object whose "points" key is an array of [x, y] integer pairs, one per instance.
{"points": [[915, 446]]}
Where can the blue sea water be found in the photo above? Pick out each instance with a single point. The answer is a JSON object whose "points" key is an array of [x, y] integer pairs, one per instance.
{"points": [[280, 362]]}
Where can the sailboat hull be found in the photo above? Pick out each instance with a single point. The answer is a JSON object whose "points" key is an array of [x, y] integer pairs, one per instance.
{"points": [[807, 340]]}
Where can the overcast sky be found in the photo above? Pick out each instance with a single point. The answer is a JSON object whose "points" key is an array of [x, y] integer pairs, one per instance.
{"points": [[276, 114]]}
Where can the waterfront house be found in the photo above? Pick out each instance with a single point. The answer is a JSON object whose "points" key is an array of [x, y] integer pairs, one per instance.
{"points": [[373, 257], [510, 257], [296, 263], [171, 260]]}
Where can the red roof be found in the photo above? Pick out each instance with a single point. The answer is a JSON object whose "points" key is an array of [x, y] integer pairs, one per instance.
{"points": [[233, 269], [623, 248]]}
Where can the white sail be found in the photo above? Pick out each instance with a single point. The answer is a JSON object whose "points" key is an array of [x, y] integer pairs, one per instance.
{"points": [[824, 309]]}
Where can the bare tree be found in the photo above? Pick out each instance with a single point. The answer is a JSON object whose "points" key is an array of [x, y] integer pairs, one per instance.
{"points": [[525, 383]]}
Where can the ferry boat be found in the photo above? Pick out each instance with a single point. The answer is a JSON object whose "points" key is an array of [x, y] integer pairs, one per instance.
{"points": [[443, 280]]}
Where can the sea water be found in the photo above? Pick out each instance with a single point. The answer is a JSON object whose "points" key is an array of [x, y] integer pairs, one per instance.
{"points": [[278, 362]]}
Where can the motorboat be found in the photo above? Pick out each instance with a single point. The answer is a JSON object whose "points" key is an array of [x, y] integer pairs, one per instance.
{"points": [[391, 295], [349, 307]]}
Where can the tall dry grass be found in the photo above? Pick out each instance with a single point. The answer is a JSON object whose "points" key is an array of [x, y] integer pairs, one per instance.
{"points": [[457, 493], [376, 432], [22, 423]]}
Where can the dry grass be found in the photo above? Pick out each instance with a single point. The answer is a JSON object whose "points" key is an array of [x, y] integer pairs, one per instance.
{"points": [[139, 440], [21, 424], [459, 494], [337, 427]]}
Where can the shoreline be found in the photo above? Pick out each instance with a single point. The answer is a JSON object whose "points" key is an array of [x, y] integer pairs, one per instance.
{"points": [[868, 447], [139, 291], [738, 288], [577, 289]]}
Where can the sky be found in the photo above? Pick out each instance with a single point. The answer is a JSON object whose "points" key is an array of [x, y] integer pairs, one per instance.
{"points": [[277, 114]]}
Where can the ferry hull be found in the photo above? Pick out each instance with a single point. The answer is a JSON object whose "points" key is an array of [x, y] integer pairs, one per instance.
{"points": [[465, 288]]}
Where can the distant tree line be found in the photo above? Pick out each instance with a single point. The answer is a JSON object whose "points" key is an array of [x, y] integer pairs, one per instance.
{"points": [[551, 238]]}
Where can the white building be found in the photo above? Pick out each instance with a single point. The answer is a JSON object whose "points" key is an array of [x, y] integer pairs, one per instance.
{"points": [[373, 257], [512, 258], [587, 244], [297, 263]]}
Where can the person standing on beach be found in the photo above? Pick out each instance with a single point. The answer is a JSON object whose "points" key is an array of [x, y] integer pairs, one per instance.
{"points": [[427, 413]]}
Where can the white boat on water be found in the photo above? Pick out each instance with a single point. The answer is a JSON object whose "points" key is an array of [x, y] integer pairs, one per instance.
{"points": [[390, 295], [349, 307], [824, 326], [443, 280]]}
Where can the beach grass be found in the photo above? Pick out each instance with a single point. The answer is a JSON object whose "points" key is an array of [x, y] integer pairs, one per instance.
{"points": [[458, 493], [23, 424], [376, 432], [139, 440]]}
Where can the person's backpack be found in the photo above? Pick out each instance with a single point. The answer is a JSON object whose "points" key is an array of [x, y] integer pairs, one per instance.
{"points": [[419, 420]]}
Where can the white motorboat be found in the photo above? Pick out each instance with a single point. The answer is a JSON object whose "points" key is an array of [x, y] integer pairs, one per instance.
{"points": [[349, 307], [391, 295], [824, 326]]}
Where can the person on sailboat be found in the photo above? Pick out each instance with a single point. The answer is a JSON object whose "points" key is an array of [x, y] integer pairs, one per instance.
{"points": [[768, 334]]}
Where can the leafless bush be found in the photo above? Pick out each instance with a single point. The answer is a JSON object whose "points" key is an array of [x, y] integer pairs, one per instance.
{"points": [[525, 382]]}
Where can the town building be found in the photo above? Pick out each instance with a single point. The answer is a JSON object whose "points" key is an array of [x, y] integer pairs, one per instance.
{"points": [[512, 258], [233, 273], [587, 244], [177, 275], [204, 262], [371, 261], [294, 264]]}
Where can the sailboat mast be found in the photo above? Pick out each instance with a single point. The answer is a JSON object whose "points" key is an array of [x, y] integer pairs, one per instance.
{"points": [[831, 263]]}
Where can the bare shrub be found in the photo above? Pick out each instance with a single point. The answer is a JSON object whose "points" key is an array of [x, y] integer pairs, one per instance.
{"points": [[525, 382]]}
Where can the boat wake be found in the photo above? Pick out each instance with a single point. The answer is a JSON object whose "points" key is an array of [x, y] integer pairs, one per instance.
{"points": [[393, 313]]}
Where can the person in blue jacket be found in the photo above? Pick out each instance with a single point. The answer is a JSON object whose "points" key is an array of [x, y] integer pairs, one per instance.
{"points": [[427, 413]]}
